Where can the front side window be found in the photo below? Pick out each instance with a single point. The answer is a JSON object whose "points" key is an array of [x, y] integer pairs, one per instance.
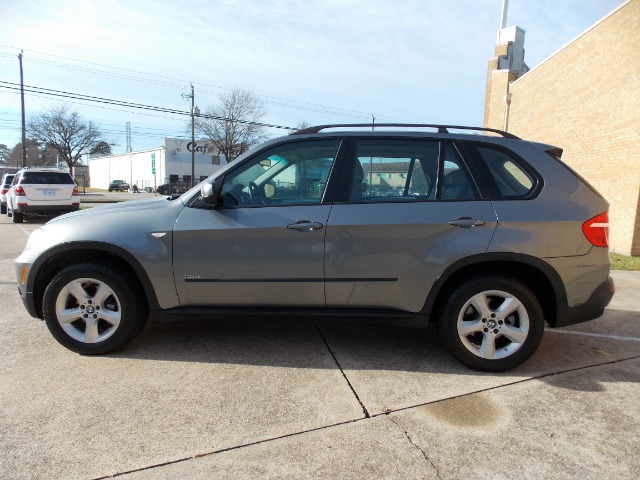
{"points": [[295, 173]]}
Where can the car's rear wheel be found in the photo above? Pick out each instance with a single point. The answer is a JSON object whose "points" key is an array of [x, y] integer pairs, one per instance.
{"points": [[17, 217], [3, 208], [492, 323], [91, 308]]}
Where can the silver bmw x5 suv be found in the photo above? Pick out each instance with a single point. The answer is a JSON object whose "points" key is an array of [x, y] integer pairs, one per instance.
{"points": [[490, 236]]}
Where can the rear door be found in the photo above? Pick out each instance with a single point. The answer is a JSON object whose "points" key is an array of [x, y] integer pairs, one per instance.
{"points": [[407, 209]]}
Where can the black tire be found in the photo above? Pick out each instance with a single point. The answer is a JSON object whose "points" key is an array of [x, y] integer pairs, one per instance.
{"points": [[17, 217], [3, 208], [501, 338], [120, 301]]}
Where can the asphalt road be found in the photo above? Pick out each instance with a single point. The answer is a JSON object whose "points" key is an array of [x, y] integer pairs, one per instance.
{"points": [[264, 399]]}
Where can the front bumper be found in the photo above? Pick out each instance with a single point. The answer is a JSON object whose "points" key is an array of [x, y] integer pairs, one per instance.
{"points": [[592, 308]]}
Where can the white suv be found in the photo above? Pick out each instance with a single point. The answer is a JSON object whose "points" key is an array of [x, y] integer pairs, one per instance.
{"points": [[41, 191], [5, 184]]}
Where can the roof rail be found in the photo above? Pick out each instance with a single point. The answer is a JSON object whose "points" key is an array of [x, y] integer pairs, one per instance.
{"points": [[441, 128]]}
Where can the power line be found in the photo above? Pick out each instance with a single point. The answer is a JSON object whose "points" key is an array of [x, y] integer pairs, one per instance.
{"points": [[271, 100], [121, 103]]}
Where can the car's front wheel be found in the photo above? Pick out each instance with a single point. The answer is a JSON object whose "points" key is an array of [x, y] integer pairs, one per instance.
{"points": [[492, 323], [92, 308]]}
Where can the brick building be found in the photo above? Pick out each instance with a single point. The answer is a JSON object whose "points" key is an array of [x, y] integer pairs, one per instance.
{"points": [[585, 99]]}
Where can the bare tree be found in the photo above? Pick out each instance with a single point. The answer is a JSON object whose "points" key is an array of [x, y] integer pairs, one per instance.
{"points": [[301, 125], [233, 125], [101, 148], [62, 129]]}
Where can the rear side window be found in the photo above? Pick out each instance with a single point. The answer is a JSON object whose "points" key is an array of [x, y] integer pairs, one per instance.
{"points": [[7, 181], [394, 170], [508, 177], [407, 170], [46, 178]]}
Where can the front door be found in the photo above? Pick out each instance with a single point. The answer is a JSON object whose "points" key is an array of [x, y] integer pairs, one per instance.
{"points": [[264, 244]]}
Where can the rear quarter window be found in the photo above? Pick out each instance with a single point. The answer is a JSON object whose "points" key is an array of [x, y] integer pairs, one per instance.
{"points": [[505, 174]]}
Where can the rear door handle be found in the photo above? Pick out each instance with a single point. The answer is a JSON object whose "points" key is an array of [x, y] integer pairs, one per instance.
{"points": [[305, 226], [467, 222]]}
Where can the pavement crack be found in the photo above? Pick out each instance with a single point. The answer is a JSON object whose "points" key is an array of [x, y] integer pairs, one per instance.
{"points": [[424, 454], [364, 409]]}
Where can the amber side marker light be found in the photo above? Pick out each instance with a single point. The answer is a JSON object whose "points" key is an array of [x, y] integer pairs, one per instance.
{"points": [[24, 275], [596, 230]]}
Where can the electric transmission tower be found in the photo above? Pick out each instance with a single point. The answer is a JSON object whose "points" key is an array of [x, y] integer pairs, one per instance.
{"points": [[128, 137]]}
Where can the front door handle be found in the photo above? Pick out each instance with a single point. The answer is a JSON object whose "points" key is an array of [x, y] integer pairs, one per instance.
{"points": [[305, 226], [467, 222]]}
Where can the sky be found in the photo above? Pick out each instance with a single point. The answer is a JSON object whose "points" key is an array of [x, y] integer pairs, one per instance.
{"points": [[319, 62]]}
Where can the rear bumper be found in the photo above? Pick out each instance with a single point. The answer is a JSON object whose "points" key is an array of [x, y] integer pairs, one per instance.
{"points": [[46, 208], [592, 308]]}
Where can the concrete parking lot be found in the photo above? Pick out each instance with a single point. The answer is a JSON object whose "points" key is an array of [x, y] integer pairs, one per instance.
{"points": [[268, 399]]}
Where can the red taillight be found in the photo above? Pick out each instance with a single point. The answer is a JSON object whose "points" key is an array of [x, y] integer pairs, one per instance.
{"points": [[4, 191], [19, 192], [75, 191], [596, 230]]}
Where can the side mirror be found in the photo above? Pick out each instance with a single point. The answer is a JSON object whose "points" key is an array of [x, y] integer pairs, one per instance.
{"points": [[269, 190], [210, 192]]}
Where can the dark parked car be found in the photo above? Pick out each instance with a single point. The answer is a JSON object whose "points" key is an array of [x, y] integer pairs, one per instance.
{"points": [[489, 236], [119, 186], [169, 188]]}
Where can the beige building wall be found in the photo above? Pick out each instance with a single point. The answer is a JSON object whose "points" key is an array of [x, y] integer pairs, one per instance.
{"points": [[586, 99]]}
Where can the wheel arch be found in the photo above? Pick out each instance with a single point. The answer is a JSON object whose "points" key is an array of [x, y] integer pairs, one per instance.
{"points": [[47, 266], [538, 275]]}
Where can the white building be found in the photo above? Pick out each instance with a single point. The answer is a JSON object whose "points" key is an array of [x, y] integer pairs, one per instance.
{"points": [[158, 166]]}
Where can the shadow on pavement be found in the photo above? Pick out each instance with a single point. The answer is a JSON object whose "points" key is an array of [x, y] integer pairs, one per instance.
{"points": [[357, 348]]}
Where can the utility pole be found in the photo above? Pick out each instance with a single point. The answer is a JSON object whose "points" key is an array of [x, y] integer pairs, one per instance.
{"points": [[193, 138], [193, 134], [24, 128]]}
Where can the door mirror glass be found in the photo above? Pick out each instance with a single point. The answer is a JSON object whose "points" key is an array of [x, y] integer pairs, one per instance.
{"points": [[269, 190]]}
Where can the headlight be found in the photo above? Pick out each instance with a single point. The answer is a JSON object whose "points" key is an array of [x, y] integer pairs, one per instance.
{"points": [[35, 238]]}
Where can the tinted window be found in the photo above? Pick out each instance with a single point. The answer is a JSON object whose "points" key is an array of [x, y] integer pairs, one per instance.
{"points": [[408, 170], [7, 181], [404, 170], [46, 178], [508, 178], [295, 173], [456, 182]]}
